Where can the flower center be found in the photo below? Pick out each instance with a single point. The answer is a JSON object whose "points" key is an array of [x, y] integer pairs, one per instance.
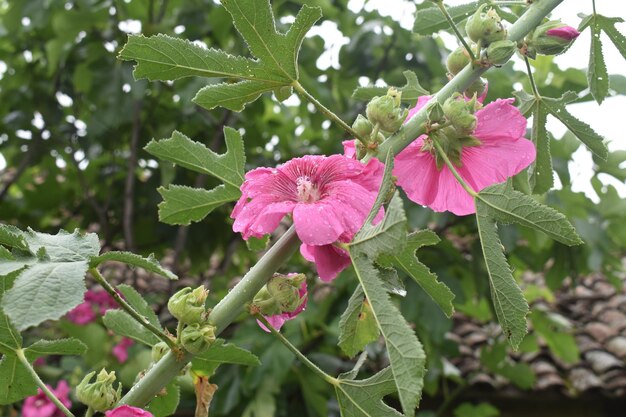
{"points": [[307, 191]]}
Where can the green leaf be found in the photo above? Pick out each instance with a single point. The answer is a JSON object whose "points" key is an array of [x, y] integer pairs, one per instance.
{"points": [[219, 353], [45, 291], [607, 24], [10, 338], [5, 255], [150, 263], [597, 74], [123, 324], [12, 237], [256, 244], [64, 246], [233, 96], [140, 305], [430, 20], [496, 360], [364, 398], [506, 205], [478, 410], [55, 347], [408, 262], [182, 151], [559, 339], [165, 405], [584, 133], [183, 205], [357, 326], [410, 92], [15, 380], [507, 297]]}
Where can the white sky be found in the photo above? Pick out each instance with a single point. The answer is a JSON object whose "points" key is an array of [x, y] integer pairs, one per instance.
{"points": [[605, 119]]}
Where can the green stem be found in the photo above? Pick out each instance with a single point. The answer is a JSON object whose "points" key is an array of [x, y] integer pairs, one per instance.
{"points": [[456, 30], [313, 367], [89, 412], [41, 384], [327, 112], [532, 79], [593, 3], [450, 165], [179, 331], [130, 310]]}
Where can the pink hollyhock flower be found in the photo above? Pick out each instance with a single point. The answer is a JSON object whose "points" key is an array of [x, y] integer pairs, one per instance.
{"points": [[278, 320], [503, 152], [41, 406], [82, 314], [120, 351], [565, 32], [95, 301], [329, 198], [127, 411]]}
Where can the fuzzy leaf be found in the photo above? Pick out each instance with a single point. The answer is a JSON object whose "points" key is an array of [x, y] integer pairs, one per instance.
{"points": [[507, 297], [15, 380], [410, 92], [607, 24], [219, 353], [165, 405], [64, 246], [357, 326], [597, 74], [12, 237], [123, 324], [506, 205], [430, 20], [150, 263], [233, 96], [364, 397], [135, 299], [10, 338], [55, 347], [183, 205]]}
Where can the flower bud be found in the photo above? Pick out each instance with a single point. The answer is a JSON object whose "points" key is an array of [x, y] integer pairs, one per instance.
{"points": [[280, 295], [457, 60], [99, 395], [196, 337], [434, 112], [460, 113], [386, 111], [362, 126], [476, 88], [485, 27], [551, 38], [158, 351], [499, 52], [187, 305]]}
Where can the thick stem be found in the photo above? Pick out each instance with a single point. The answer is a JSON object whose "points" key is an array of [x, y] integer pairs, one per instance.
{"points": [[313, 367], [130, 310], [327, 112], [458, 34], [41, 384]]}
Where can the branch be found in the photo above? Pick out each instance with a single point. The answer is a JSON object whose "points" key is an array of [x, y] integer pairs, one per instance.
{"points": [[129, 191]]}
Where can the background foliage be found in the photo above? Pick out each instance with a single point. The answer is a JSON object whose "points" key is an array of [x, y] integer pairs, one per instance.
{"points": [[74, 123]]}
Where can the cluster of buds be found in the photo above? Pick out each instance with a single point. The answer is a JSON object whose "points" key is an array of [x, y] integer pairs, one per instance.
{"points": [[485, 28], [550, 38], [385, 115], [99, 395], [196, 334], [459, 112], [280, 295]]}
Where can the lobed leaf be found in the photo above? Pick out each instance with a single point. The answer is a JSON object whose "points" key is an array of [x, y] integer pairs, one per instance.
{"points": [[597, 74], [430, 20], [183, 205], [233, 96], [506, 205], [411, 91], [166, 404], [150, 263], [219, 353], [364, 398], [64, 246], [357, 326]]}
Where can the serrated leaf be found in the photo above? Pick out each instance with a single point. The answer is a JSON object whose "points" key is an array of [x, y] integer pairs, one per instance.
{"points": [[408, 262], [357, 326], [507, 297], [10, 338], [45, 291], [430, 20], [150, 263], [233, 96], [597, 74], [123, 324], [182, 151], [5, 255], [584, 133], [183, 205], [410, 91], [219, 353], [506, 205], [140, 305], [607, 24], [64, 246], [364, 398], [12, 237], [15, 380], [55, 347], [165, 405]]}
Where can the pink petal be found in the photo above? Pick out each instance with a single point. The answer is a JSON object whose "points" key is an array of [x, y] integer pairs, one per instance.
{"points": [[349, 149], [317, 223], [421, 102], [329, 260], [566, 32], [499, 120], [261, 216]]}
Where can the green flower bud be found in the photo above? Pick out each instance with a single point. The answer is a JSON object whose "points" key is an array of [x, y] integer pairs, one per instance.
{"points": [[550, 38], [362, 126], [187, 305], [499, 52], [197, 338], [99, 395], [457, 60], [386, 111], [485, 27], [476, 88], [159, 350], [280, 295], [434, 112], [460, 113]]}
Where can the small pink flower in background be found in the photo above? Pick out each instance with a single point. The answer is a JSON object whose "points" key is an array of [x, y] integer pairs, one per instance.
{"points": [[120, 351], [41, 406], [503, 152], [278, 320], [565, 32], [127, 411], [329, 198], [96, 301]]}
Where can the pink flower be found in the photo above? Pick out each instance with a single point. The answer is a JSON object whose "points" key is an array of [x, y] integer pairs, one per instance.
{"points": [[278, 320], [127, 411], [96, 301], [120, 351], [565, 32], [503, 152], [329, 198], [82, 314], [41, 406]]}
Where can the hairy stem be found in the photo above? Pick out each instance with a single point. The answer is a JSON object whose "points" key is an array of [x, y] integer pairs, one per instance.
{"points": [[130, 310], [327, 112], [313, 367], [41, 384], [460, 37]]}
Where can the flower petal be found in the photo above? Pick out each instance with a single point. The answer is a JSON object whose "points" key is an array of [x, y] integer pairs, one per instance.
{"points": [[317, 223], [329, 260], [261, 216], [499, 120]]}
